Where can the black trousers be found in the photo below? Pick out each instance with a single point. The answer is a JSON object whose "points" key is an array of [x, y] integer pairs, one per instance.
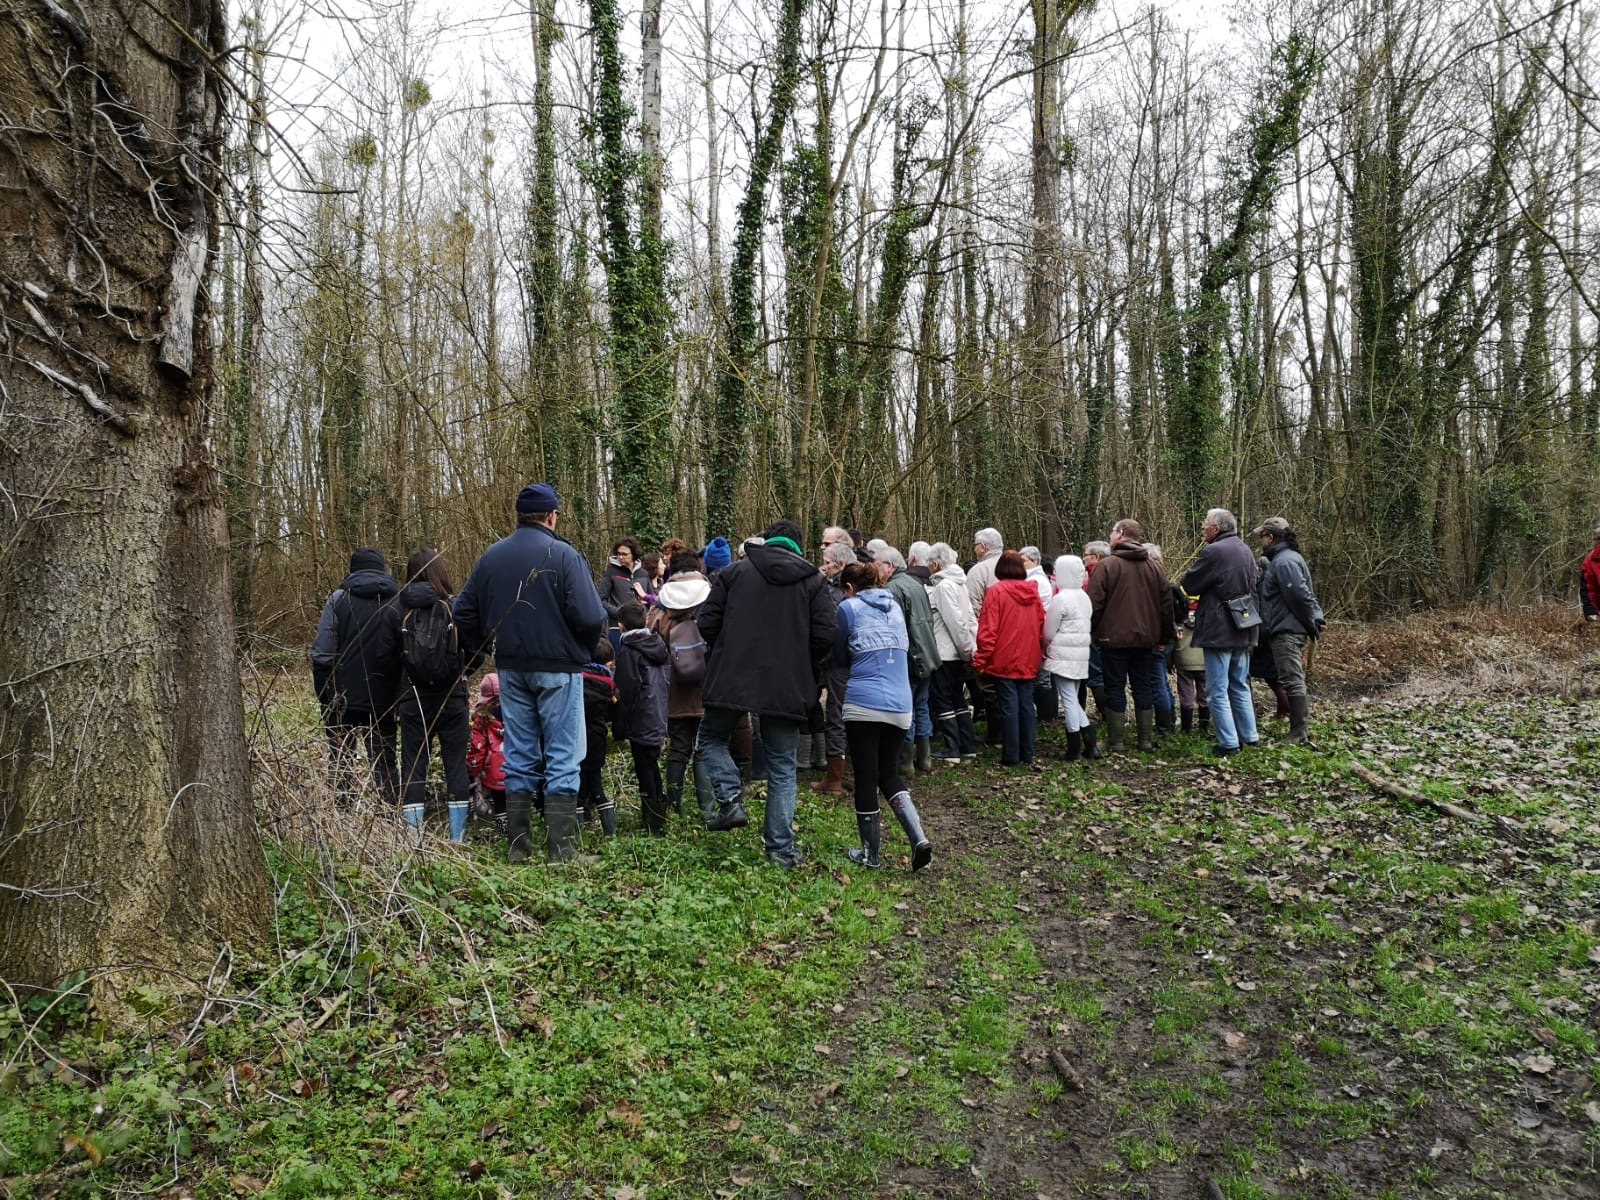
{"points": [[875, 759], [647, 770], [349, 733], [426, 717]]}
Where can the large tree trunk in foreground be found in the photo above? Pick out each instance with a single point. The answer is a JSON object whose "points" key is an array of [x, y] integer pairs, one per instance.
{"points": [[127, 838]]}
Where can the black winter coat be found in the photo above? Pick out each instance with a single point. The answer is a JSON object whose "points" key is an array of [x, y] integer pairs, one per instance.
{"points": [[1288, 599], [365, 669], [642, 682], [416, 595], [530, 601], [768, 619], [1225, 569]]}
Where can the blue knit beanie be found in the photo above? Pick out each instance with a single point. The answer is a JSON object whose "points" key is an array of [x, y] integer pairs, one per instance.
{"points": [[718, 554]]}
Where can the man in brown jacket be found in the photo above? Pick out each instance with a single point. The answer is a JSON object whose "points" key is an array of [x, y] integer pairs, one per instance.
{"points": [[1132, 623]]}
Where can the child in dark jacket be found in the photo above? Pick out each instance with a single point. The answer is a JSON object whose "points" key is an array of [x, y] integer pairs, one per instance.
{"points": [[642, 681], [599, 709]]}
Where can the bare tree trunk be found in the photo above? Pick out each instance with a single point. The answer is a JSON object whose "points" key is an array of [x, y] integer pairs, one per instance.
{"points": [[127, 838]]}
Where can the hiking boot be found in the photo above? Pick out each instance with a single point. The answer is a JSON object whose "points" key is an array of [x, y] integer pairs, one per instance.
{"points": [[1299, 711], [729, 817], [1145, 718], [1116, 727], [905, 812], [831, 784], [1224, 751], [519, 816]]}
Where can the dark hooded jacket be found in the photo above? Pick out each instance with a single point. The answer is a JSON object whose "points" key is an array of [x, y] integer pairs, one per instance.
{"points": [[767, 621], [642, 681], [1132, 603], [1225, 570], [415, 596], [353, 660], [530, 601], [912, 596]]}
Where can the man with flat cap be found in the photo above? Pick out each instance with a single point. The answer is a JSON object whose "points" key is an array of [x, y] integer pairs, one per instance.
{"points": [[1290, 615], [530, 601]]}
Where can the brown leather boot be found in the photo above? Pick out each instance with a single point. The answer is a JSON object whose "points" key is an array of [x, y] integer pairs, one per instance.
{"points": [[831, 784]]}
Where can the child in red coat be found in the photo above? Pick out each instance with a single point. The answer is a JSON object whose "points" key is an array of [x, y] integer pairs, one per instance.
{"points": [[486, 756]]}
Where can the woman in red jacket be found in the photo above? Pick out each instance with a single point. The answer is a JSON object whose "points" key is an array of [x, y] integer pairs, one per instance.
{"points": [[1010, 649], [1589, 580]]}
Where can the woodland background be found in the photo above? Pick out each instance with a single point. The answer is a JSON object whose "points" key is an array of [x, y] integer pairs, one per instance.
{"points": [[916, 268]]}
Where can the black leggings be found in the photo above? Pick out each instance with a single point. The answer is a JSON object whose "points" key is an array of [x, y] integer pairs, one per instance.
{"points": [[875, 759]]}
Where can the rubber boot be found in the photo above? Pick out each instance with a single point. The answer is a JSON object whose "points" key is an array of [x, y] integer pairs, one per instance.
{"points": [[703, 792], [870, 853], [1101, 704], [458, 820], [1116, 726], [950, 730], [1145, 718], [1299, 711], [908, 753], [1188, 720], [413, 817], [1091, 742], [1164, 725], [819, 751], [560, 827], [924, 755], [1282, 697], [1074, 749], [607, 808], [905, 812], [675, 773], [653, 811], [968, 726], [1202, 718], [831, 784], [519, 816]]}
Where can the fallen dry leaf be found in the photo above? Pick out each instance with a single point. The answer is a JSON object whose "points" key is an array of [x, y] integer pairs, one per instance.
{"points": [[1234, 1041], [1539, 1064], [247, 1185]]}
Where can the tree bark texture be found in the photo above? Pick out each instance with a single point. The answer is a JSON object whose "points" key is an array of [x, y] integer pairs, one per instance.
{"points": [[127, 837]]}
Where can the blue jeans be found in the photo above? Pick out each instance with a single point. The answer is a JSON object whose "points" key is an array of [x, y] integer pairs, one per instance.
{"points": [[781, 741], [1233, 712], [1017, 720], [921, 714], [1121, 667], [1163, 682], [543, 716]]}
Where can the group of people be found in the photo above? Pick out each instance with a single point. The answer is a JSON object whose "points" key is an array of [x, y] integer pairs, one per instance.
{"points": [[752, 662]]}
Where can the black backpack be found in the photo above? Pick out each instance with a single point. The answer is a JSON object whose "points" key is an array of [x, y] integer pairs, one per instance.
{"points": [[688, 653], [430, 647]]}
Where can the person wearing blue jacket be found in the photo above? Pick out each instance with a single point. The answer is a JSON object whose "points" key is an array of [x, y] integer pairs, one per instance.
{"points": [[873, 642], [531, 602]]}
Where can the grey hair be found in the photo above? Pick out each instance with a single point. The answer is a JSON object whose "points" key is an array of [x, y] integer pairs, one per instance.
{"points": [[893, 557], [1031, 553], [1102, 548], [1154, 551], [941, 555], [833, 532], [1224, 520], [917, 553], [841, 553], [990, 538], [876, 548]]}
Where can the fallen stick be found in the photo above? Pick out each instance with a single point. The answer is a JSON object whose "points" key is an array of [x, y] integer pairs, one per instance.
{"points": [[1069, 1073], [1400, 792]]}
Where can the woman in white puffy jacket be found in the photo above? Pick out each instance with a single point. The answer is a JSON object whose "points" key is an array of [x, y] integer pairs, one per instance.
{"points": [[1066, 653], [955, 628]]}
